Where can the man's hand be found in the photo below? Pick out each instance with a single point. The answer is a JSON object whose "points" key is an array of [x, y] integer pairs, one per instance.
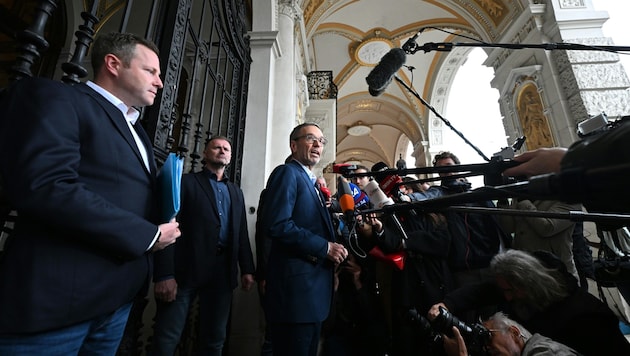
{"points": [[455, 346], [336, 252], [374, 222], [169, 232], [262, 287], [539, 161], [166, 290], [247, 281], [435, 311]]}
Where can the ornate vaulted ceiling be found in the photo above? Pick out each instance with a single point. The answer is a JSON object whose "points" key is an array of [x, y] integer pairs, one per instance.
{"points": [[348, 37]]}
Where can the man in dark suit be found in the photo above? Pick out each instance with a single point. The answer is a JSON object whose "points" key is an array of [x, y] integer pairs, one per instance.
{"points": [[303, 253], [204, 261], [82, 179]]}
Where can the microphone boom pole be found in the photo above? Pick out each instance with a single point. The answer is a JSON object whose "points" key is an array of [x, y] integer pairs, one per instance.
{"points": [[448, 46], [575, 215], [446, 122]]}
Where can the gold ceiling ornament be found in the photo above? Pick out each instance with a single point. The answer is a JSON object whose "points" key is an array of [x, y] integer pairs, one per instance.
{"points": [[359, 129], [365, 105]]}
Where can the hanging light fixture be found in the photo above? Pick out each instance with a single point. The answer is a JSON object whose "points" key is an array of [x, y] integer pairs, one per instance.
{"points": [[359, 129]]}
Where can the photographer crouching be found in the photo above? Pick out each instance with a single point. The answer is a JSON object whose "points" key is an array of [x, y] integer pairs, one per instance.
{"points": [[505, 337]]}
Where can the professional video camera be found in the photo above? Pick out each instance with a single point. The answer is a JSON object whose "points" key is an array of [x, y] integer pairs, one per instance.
{"points": [[475, 336]]}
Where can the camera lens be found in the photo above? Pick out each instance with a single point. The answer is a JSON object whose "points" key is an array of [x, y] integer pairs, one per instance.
{"points": [[475, 336], [445, 321], [415, 318]]}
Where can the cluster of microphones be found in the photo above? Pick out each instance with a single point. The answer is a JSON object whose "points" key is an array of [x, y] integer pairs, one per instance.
{"points": [[379, 192], [350, 198]]}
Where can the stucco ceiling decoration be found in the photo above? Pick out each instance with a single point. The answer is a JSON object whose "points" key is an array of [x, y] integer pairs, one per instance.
{"points": [[369, 52], [365, 105], [359, 129], [493, 15]]}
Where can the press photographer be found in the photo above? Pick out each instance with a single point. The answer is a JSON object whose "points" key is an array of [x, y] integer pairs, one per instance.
{"points": [[538, 292], [502, 336]]}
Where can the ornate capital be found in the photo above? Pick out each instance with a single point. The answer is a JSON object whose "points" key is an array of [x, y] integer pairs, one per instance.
{"points": [[289, 8]]}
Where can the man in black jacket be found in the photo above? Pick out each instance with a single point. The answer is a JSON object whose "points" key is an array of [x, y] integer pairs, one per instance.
{"points": [[204, 263], [79, 169]]}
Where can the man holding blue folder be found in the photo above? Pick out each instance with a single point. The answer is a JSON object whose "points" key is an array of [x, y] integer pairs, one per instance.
{"points": [[79, 170]]}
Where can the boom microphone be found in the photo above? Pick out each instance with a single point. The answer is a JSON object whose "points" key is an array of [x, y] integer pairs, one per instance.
{"points": [[380, 77]]}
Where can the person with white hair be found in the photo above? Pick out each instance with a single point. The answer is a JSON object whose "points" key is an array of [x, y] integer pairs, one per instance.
{"points": [[506, 337]]}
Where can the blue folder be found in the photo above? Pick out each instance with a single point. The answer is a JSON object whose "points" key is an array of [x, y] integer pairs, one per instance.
{"points": [[170, 182]]}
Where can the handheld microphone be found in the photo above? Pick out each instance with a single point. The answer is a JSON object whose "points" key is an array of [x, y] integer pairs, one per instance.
{"points": [[326, 193], [377, 196], [361, 200], [380, 77], [380, 200], [346, 200], [390, 183]]}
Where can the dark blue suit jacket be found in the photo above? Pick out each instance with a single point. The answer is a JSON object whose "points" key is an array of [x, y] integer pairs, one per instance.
{"points": [[85, 203], [299, 277], [191, 259]]}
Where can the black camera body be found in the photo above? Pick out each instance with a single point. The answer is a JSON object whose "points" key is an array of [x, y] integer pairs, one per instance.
{"points": [[476, 335]]}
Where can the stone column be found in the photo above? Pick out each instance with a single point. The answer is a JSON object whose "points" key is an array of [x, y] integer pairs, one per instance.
{"points": [[285, 92], [247, 323]]}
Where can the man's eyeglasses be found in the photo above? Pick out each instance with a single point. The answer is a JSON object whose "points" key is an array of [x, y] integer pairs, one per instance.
{"points": [[310, 138], [492, 331]]}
